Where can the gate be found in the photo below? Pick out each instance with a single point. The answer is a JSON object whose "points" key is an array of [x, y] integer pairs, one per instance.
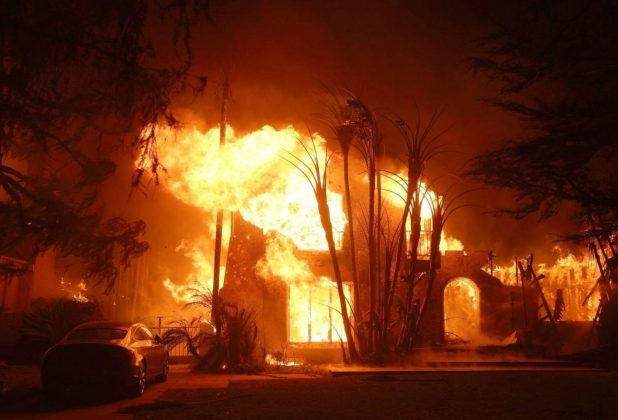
{"points": [[180, 351]]}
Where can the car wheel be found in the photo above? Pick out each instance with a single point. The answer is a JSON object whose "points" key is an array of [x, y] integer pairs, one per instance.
{"points": [[139, 385], [166, 370]]}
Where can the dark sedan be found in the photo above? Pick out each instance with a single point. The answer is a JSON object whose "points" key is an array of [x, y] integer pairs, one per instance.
{"points": [[115, 355]]}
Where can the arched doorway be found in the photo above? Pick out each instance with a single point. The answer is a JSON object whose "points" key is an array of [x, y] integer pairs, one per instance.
{"points": [[462, 310]]}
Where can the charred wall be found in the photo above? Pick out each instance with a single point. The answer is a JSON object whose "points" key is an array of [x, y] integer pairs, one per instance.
{"points": [[501, 307], [243, 286]]}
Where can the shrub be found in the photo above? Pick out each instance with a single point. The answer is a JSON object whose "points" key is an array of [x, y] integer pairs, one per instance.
{"points": [[232, 348], [51, 319]]}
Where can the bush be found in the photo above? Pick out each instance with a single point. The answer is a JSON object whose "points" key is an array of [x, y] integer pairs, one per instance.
{"points": [[51, 319], [232, 349]]}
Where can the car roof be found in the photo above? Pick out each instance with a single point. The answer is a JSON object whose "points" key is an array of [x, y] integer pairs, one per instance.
{"points": [[106, 324]]}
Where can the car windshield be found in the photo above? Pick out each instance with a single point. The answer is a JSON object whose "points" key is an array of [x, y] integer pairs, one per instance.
{"points": [[98, 334]]}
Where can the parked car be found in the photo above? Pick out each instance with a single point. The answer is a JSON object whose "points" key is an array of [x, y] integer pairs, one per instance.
{"points": [[116, 355]]}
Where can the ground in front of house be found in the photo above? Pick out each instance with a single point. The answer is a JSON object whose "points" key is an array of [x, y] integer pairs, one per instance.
{"points": [[465, 394]]}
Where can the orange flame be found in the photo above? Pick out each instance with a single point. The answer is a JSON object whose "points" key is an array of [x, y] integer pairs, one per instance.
{"points": [[462, 316], [395, 195], [75, 292], [576, 276], [248, 175]]}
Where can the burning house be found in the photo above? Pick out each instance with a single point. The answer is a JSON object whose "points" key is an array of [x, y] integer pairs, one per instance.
{"points": [[260, 190], [300, 316], [276, 262]]}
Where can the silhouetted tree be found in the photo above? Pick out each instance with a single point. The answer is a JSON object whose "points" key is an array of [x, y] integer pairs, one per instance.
{"points": [[78, 81], [342, 120], [556, 63], [386, 255], [316, 173]]}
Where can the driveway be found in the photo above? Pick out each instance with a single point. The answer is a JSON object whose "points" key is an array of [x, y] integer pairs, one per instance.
{"points": [[366, 394], [27, 402]]}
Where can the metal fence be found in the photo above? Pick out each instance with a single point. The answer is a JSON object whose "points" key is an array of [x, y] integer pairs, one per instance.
{"points": [[181, 349]]}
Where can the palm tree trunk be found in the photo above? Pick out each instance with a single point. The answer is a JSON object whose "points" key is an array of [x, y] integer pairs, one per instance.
{"points": [[372, 250], [391, 287], [414, 240], [378, 276], [328, 232], [436, 237], [348, 199]]}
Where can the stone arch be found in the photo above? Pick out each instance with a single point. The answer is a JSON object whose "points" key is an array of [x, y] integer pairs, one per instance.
{"points": [[461, 300], [495, 304]]}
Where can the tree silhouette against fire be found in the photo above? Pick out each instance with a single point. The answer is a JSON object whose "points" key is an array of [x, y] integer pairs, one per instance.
{"points": [[556, 64], [80, 80], [374, 333]]}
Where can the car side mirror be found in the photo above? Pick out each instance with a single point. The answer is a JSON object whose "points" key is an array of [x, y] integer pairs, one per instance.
{"points": [[157, 339]]}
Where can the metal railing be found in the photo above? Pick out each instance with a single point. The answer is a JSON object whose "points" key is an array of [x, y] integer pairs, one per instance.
{"points": [[181, 349]]}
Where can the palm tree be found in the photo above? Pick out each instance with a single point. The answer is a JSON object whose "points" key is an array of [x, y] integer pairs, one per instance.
{"points": [[232, 347], [421, 145], [442, 208], [316, 174]]}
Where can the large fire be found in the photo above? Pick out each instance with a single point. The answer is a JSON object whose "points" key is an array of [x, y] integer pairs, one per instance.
{"points": [[575, 276], [248, 175], [313, 314]]}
